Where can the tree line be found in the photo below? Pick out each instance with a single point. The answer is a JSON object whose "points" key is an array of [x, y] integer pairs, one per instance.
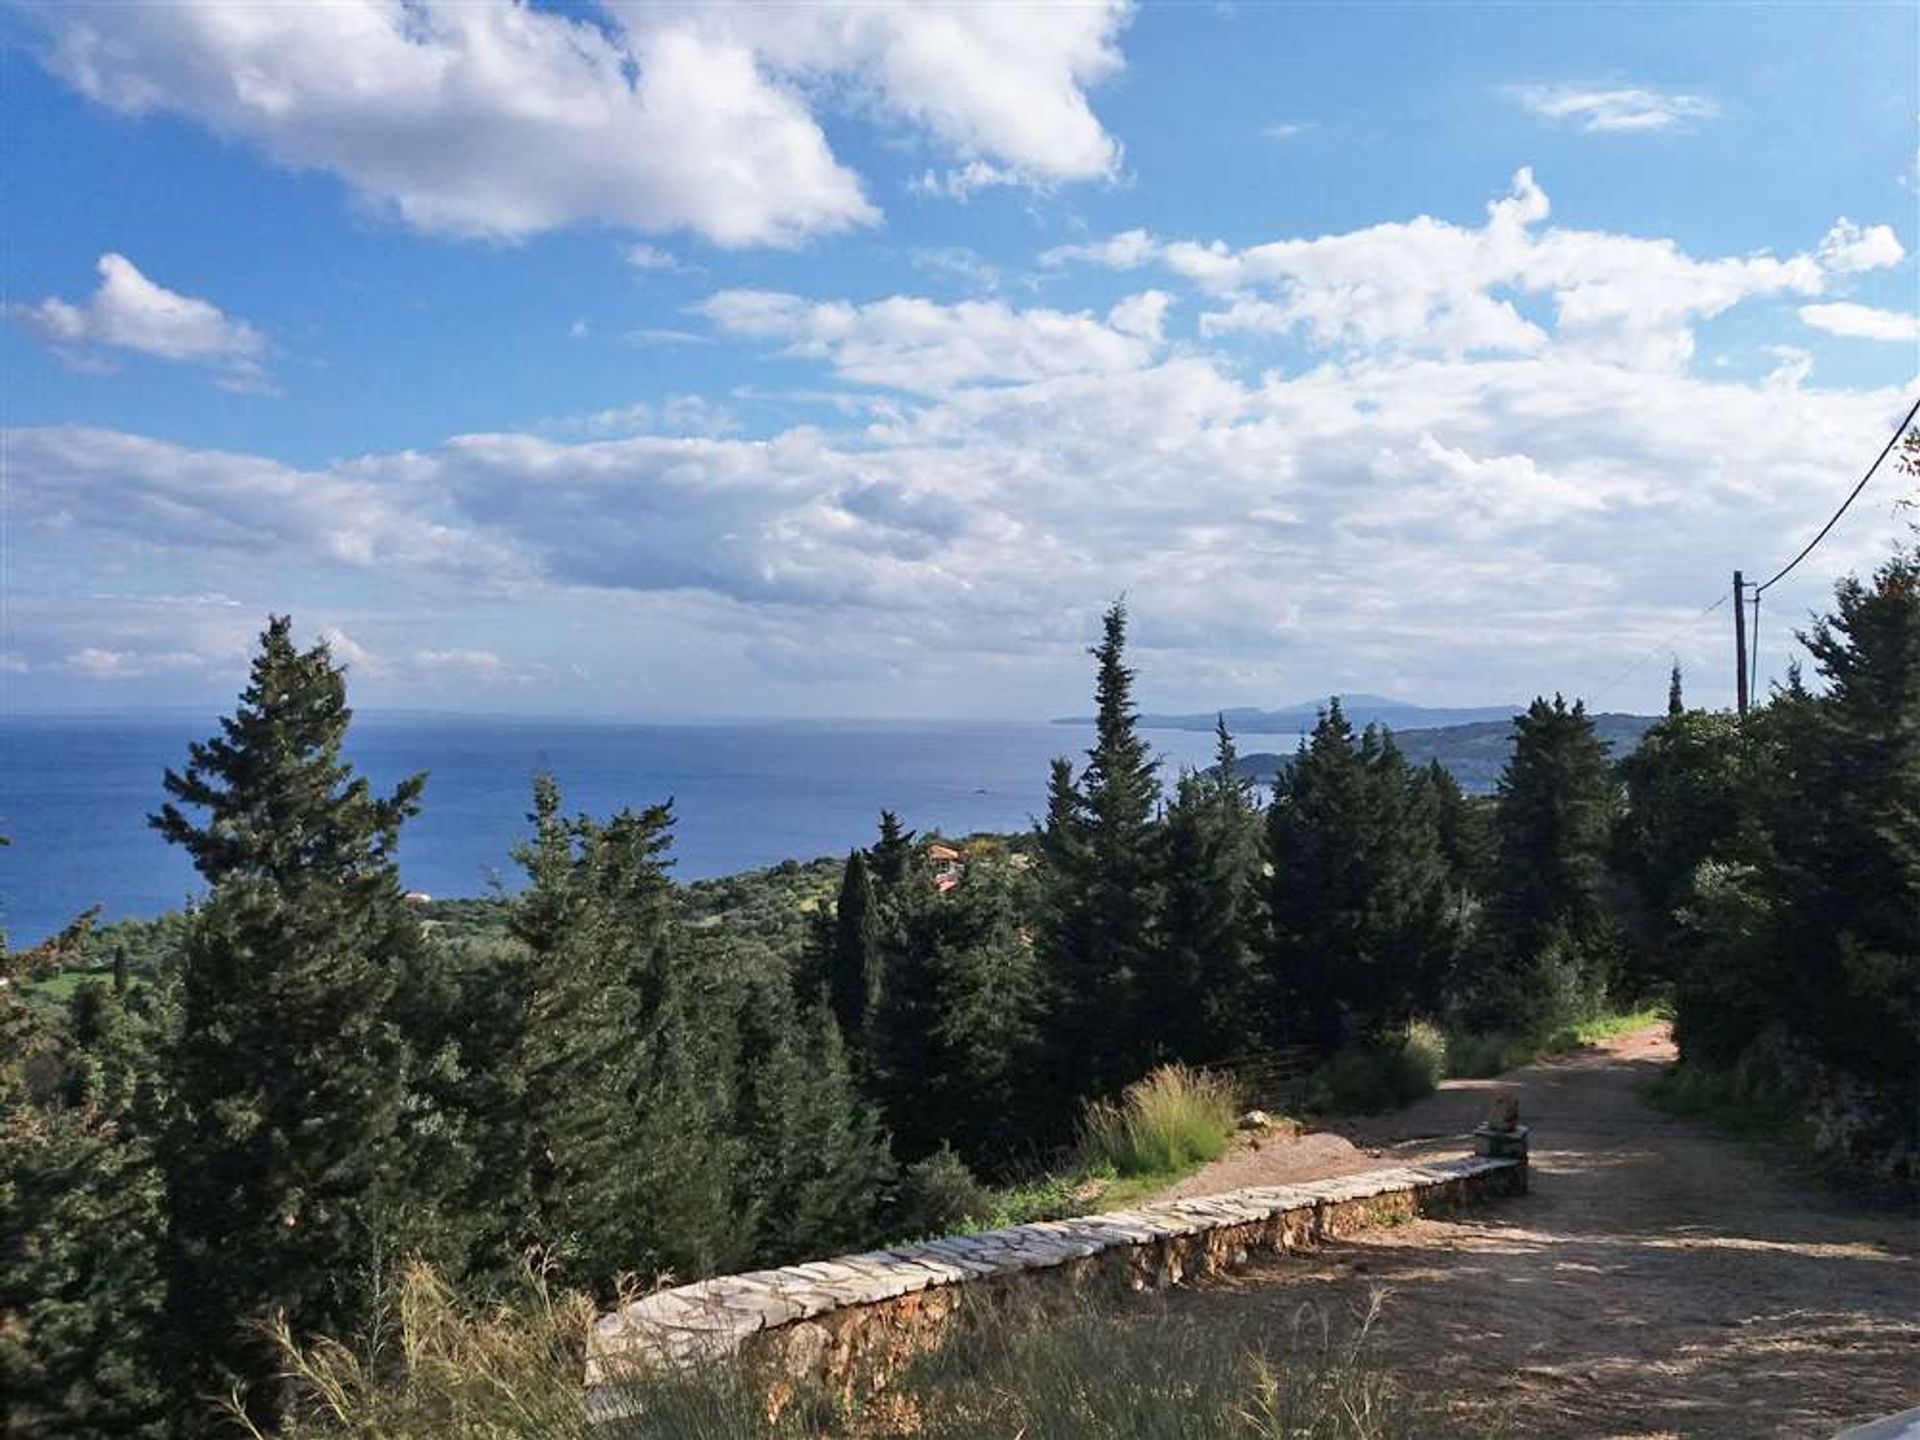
{"points": [[313, 1088]]}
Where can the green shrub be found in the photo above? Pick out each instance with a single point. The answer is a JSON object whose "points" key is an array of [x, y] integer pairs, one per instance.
{"points": [[1366, 1079], [1172, 1119], [1479, 1057], [940, 1196]]}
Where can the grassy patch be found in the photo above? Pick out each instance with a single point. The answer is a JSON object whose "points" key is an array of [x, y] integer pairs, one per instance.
{"points": [[1480, 1057], [1730, 1100], [1172, 1120], [1599, 1028], [443, 1368]]}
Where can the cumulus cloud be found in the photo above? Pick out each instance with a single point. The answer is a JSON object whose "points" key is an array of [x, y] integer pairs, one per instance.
{"points": [[130, 312], [1431, 285], [489, 118], [1628, 110], [916, 344], [1849, 249], [1861, 322], [1394, 514], [1004, 85]]}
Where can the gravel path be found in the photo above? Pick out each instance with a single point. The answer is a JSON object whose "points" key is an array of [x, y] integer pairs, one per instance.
{"points": [[1660, 1281]]}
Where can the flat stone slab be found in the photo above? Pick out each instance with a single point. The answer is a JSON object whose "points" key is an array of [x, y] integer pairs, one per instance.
{"points": [[713, 1317]]}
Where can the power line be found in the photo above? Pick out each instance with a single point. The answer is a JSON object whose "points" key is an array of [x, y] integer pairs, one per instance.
{"points": [[1893, 440], [1666, 644]]}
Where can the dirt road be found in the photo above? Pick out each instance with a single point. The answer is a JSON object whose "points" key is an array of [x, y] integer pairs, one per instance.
{"points": [[1660, 1281]]}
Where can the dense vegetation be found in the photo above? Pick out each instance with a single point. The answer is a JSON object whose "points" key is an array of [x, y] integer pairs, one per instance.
{"points": [[264, 1111]]}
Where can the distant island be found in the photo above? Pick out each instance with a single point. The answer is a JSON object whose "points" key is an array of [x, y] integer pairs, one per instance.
{"points": [[1474, 753], [1362, 710]]}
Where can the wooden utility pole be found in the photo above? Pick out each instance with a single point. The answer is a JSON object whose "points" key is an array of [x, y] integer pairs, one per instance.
{"points": [[1740, 642]]}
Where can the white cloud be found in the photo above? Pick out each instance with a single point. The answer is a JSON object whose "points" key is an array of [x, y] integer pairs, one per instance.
{"points": [[649, 257], [1000, 84], [1128, 250], [1626, 110], [917, 344], [1861, 322], [1849, 249], [95, 662], [1431, 285], [476, 664], [130, 312], [1289, 130], [489, 118]]}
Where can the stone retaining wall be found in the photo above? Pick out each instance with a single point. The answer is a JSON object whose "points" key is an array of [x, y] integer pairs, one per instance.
{"points": [[851, 1322]]}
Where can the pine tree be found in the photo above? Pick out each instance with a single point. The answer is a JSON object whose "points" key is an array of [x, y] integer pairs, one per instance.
{"points": [[289, 1186], [1362, 930], [956, 1043], [1857, 911], [554, 1049], [1316, 890], [1203, 982], [1101, 1037], [892, 855], [1555, 806], [81, 1220], [1676, 703]]}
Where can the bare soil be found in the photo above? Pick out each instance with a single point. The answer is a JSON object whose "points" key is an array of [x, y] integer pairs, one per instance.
{"points": [[1659, 1281]]}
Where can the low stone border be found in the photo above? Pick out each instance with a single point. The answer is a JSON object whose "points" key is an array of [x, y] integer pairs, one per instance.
{"points": [[852, 1321]]}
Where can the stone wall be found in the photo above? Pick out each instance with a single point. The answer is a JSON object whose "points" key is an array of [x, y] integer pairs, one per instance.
{"points": [[850, 1323]]}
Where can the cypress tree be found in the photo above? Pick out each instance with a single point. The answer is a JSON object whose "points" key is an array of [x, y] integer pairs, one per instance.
{"points": [[1676, 703], [1108, 1039], [1203, 982], [854, 960], [288, 1184]]}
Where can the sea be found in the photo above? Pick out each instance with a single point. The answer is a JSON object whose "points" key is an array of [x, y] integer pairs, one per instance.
{"points": [[75, 793]]}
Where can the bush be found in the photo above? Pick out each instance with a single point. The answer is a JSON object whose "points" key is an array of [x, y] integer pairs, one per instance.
{"points": [[1479, 1057], [1174, 1118], [940, 1196], [1366, 1079]]}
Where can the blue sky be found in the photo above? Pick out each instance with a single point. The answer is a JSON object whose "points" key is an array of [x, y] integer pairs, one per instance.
{"points": [[670, 361]]}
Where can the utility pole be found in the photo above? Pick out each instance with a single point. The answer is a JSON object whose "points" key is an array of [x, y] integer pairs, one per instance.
{"points": [[1740, 641]]}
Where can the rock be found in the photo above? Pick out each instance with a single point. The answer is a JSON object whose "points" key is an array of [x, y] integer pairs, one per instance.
{"points": [[1257, 1120]]}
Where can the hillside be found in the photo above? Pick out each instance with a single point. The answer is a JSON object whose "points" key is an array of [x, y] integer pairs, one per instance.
{"points": [[1474, 754]]}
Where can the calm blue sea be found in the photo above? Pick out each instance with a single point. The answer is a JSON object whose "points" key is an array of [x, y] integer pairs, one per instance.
{"points": [[75, 793]]}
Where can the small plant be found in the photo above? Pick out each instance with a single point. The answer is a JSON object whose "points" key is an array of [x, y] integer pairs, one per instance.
{"points": [[940, 1196], [1366, 1079], [1173, 1119]]}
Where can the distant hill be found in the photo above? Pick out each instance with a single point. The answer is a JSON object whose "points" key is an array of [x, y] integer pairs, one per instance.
{"points": [[1362, 710], [1474, 753]]}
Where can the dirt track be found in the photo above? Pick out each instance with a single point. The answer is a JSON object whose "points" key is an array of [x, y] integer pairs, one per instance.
{"points": [[1659, 1281]]}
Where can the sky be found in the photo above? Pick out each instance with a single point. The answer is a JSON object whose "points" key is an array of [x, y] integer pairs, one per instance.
{"points": [[697, 361]]}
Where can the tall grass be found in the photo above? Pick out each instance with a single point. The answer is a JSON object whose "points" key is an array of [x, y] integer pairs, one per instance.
{"points": [[1366, 1079], [1174, 1118], [1066, 1371], [1155, 1374]]}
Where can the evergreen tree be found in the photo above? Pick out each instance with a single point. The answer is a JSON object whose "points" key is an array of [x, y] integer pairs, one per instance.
{"points": [[892, 855], [853, 973], [1203, 983], [1464, 827], [1103, 941], [288, 1181], [554, 1047], [81, 1220], [1676, 704], [1856, 922], [1555, 806], [956, 1045]]}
